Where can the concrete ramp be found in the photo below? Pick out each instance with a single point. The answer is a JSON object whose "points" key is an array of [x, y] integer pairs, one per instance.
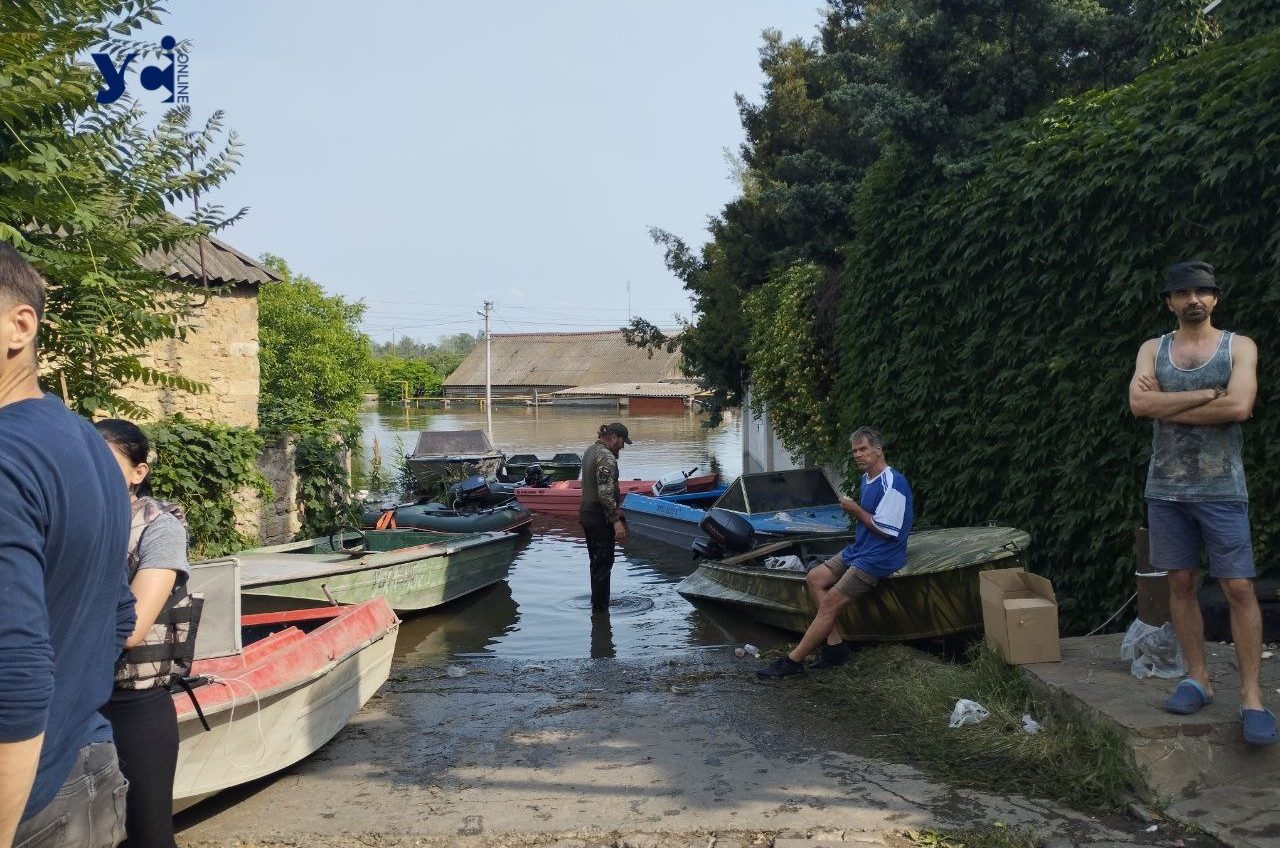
{"points": [[1199, 764]]}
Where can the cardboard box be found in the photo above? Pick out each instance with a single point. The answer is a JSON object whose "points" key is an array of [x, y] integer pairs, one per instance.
{"points": [[1020, 616]]}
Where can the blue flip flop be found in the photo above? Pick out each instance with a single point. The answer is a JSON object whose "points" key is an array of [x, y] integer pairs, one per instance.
{"points": [[1259, 726], [1188, 698]]}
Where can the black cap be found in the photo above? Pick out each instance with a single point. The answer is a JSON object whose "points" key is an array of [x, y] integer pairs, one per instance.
{"points": [[618, 430], [1195, 274]]}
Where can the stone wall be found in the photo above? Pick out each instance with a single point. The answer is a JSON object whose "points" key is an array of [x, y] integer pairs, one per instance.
{"points": [[280, 520], [221, 351]]}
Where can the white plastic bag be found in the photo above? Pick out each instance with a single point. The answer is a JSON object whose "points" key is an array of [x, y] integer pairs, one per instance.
{"points": [[1153, 651], [790, 562], [967, 712], [1029, 724]]}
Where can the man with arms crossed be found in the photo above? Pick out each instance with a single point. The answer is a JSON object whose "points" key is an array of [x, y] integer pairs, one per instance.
{"points": [[67, 608], [1198, 384], [884, 513]]}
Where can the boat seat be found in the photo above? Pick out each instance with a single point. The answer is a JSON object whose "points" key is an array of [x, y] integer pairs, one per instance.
{"points": [[260, 650]]}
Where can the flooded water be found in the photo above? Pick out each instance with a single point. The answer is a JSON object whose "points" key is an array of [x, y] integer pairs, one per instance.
{"points": [[542, 609]]}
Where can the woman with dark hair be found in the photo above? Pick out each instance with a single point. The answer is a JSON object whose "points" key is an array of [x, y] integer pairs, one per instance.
{"points": [[141, 711]]}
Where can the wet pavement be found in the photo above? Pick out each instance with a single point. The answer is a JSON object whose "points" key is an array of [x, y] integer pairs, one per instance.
{"points": [[671, 751]]}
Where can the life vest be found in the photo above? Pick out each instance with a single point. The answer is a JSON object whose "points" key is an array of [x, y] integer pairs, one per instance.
{"points": [[165, 654]]}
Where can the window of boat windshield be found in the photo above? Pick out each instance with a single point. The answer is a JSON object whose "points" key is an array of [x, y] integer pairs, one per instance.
{"points": [[783, 490], [733, 499]]}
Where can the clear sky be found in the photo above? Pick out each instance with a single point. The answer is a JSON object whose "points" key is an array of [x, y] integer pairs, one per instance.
{"points": [[427, 156]]}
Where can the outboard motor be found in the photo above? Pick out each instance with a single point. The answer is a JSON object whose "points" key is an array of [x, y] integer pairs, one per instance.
{"points": [[675, 483], [473, 491], [727, 533], [534, 478]]}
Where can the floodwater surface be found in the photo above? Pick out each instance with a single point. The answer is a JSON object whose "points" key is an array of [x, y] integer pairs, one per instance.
{"points": [[542, 609]]}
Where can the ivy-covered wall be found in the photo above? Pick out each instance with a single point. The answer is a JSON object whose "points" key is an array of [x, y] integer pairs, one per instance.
{"points": [[989, 323]]}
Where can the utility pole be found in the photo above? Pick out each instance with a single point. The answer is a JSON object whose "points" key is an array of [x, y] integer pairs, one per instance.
{"points": [[488, 368], [628, 301]]}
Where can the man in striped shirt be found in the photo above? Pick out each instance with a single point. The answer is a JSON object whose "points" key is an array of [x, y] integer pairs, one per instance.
{"points": [[884, 513]]}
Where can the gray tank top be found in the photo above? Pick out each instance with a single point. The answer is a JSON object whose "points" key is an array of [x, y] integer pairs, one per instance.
{"points": [[1195, 462]]}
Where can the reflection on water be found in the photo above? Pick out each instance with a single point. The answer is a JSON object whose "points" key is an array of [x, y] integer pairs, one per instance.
{"points": [[543, 610], [602, 637]]}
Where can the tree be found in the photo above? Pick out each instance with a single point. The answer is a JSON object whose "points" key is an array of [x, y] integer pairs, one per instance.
{"points": [[393, 377], [443, 355], [314, 361], [920, 81], [85, 192]]}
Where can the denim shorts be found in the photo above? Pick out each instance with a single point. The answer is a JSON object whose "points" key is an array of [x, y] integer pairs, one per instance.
{"points": [[1178, 529]]}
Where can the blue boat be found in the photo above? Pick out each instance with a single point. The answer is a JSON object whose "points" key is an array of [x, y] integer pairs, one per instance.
{"points": [[778, 504]]}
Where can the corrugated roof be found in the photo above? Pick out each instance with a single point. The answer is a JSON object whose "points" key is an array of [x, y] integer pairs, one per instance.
{"points": [[565, 359], [223, 263], [681, 390]]}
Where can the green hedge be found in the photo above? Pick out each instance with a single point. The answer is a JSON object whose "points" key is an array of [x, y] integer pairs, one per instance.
{"points": [[989, 325]]}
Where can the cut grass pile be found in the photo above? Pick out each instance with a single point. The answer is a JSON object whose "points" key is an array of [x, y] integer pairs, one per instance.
{"points": [[995, 836], [898, 702]]}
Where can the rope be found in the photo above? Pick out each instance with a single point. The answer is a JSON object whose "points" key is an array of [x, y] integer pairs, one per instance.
{"points": [[257, 703], [1113, 615]]}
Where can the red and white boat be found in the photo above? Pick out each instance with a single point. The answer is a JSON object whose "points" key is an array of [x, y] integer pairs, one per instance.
{"points": [[562, 498], [284, 685]]}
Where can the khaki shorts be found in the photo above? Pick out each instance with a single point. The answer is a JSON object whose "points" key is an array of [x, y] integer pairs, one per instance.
{"points": [[853, 582]]}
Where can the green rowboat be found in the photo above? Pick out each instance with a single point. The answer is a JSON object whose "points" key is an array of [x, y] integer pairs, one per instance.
{"points": [[412, 569], [935, 593]]}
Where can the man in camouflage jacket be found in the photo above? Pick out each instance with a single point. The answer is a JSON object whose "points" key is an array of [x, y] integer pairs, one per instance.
{"points": [[598, 511]]}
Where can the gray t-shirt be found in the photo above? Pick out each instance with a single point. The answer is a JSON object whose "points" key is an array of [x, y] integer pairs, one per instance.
{"points": [[164, 545]]}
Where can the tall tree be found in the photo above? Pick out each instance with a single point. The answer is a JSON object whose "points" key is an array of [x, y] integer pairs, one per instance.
{"points": [[921, 80], [314, 364], [314, 361]]}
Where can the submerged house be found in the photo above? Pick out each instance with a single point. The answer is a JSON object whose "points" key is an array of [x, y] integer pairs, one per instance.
{"points": [[574, 367]]}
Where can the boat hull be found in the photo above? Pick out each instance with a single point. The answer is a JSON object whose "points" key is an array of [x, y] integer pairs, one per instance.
{"points": [[511, 517], [412, 579], [563, 498], [280, 700], [515, 467], [676, 521], [940, 600], [663, 520]]}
